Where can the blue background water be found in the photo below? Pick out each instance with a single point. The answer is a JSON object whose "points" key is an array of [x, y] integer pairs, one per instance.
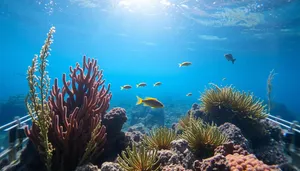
{"points": [[145, 40]]}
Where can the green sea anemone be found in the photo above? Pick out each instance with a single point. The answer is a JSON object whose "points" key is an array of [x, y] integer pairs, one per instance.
{"points": [[203, 138], [160, 138], [140, 159], [186, 121], [226, 104]]}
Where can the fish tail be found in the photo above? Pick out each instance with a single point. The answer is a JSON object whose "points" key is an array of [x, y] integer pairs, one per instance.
{"points": [[139, 100], [122, 87], [233, 61], [137, 86], [180, 65], [153, 85]]}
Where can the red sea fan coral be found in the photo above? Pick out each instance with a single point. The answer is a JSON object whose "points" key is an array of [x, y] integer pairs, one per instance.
{"points": [[76, 111]]}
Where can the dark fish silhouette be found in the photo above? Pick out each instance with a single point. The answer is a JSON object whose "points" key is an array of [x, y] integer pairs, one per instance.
{"points": [[229, 57]]}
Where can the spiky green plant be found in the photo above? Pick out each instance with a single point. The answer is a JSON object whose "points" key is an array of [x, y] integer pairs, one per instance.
{"points": [[141, 159], [228, 103], [203, 138], [186, 121], [160, 138]]}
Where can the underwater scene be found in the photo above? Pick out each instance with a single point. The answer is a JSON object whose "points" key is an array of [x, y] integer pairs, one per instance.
{"points": [[149, 85]]}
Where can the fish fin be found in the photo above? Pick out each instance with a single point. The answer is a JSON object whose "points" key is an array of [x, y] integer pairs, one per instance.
{"points": [[122, 87], [139, 100], [180, 65], [233, 61], [145, 104], [150, 98]]}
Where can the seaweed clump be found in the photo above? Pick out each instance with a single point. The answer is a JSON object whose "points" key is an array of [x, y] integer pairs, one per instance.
{"points": [[140, 159], [66, 128], [160, 138], [38, 109], [203, 138]]}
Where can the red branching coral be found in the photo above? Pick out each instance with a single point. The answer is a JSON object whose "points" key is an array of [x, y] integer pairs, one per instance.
{"points": [[76, 112], [249, 162]]}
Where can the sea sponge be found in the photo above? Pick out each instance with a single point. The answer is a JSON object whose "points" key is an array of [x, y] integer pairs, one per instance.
{"points": [[249, 162]]}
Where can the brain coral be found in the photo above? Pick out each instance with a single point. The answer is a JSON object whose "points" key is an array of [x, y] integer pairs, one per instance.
{"points": [[248, 163]]}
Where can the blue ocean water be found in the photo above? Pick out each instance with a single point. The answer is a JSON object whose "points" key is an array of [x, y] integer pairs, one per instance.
{"points": [[144, 40]]}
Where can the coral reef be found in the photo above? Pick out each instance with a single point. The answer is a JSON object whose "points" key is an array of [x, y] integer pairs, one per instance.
{"points": [[115, 139], [174, 167], [160, 138], [230, 148], [87, 167], [217, 162], [273, 153], [184, 153], [248, 162], [235, 135], [110, 166]]}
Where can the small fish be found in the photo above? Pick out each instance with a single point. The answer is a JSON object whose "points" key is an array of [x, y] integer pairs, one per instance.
{"points": [[149, 101], [229, 57], [141, 85], [189, 94], [185, 64], [224, 79], [157, 84], [126, 87]]}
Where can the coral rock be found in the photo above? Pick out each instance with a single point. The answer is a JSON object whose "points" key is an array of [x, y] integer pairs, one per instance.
{"points": [[273, 153], [137, 127], [179, 146], [167, 157], [110, 166], [249, 162], [174, 168], [182, 149], [215, 163], [114, 120], [87, 167], [230, 148], [234, 134]]}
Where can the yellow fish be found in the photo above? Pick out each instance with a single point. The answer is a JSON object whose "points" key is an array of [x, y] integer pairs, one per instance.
{"points": [[185, 64], [149, 101], [126, 87], [189, 94], [157, 84], [141, 85]]}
